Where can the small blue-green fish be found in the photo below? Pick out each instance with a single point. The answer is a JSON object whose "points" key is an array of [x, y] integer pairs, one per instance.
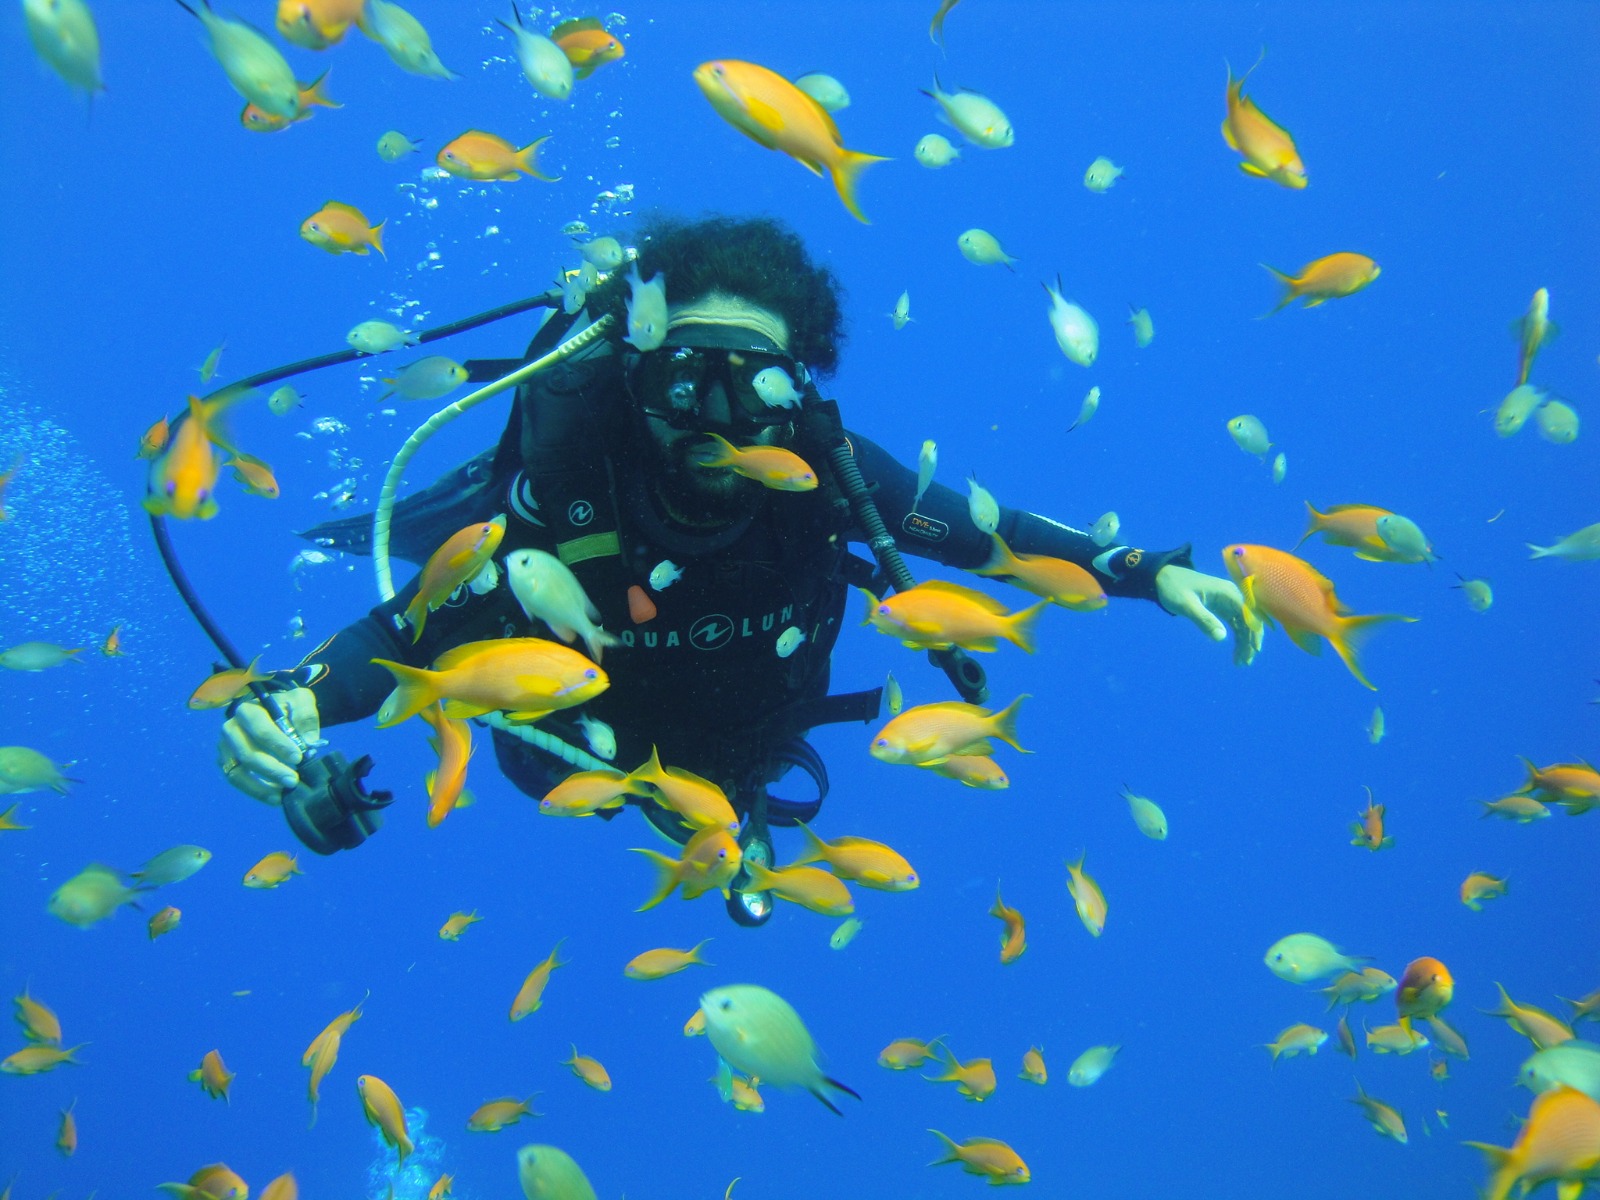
{"points": [[846, 933], [1147, 815], [893, 696], [1102, 173], [1105, 530], [901, 316], [544, 64], [1404, 539], [377, 337], [253, 65], [426, 379], [982, 248], [1086, 410], [1377, 726], [172, 866], [1582, 546], [1144, 329], [647, 312], [1305, 957], [64, 35], [825, 90], [927, 463], [1557, 422], [1089, 1066], [1480, 596], [403, 36], [934, 151], [1250, 435], [394, 145], [981, 506], [208, 369], [1280, 467]]}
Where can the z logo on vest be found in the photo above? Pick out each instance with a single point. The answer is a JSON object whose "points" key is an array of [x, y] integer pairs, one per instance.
{"points": [[711, 632], [580, 512]]}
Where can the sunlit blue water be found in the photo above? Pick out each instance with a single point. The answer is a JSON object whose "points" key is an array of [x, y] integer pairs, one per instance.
{"points": [[1453, 144]]}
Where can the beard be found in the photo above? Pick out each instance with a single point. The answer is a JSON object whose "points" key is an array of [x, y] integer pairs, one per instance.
{"points": [[691, 493]]}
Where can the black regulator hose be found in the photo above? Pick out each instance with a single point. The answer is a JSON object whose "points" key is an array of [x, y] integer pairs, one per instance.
{"points": [[963, 671]]}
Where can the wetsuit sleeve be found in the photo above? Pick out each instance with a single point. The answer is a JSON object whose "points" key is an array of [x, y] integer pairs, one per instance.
{"points": [[942, 530], [354, 686]]}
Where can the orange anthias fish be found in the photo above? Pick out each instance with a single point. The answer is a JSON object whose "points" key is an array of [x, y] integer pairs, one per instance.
{"points": [[530, 996], [529, 678], [658, 964], [67, 1138], [929, 734], [974, 1080], [272, 870], [1532, 331], [213, 1075], [1033, 1068], [590, 1070], [1560, 1141], [1268, 150], [218, 1181], [1352, 525], [770, 466], [586, 44], [311, 96], [935, 614], [701, 803], [709, 862], [1280, 587], [452, 741], [1331, 277], [317, 24], [869, 863], [457, 923], [284, 1187], [385, 1113], [183, 480], [323, 1052], [342, 229], [1368, 830], [1576, 786], [974, 771], [442, 1186], [1057, 580], [224, 687], [497, 1114], [584, 793], [808, 887], [1087, 897], [39, 1022], [112, 647], [905, 1053], [1014, 938], [456, 563], [1425, 990], [164, 921], [151, 442], [767, 108], [483, 156]]}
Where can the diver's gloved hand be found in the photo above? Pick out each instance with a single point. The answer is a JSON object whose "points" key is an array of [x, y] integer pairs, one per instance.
{"points": [[1212, 603], [253, 752]]}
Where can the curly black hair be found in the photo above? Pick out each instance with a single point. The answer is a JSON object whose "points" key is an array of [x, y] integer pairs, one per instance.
{"points": [[757, 258]]}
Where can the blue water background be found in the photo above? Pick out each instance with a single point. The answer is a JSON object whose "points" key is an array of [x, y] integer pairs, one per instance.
{"points": [[1455, 143]]}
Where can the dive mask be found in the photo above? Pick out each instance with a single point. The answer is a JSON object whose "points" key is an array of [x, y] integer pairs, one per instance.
{"points": [[763, 387]]}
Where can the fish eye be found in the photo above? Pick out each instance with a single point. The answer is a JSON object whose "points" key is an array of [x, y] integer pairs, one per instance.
{"points": [[725, 1005]]}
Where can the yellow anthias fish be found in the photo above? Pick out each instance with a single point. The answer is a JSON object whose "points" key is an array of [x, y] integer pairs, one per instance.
{"points": [[183, 480], [988, 1157], [1382, 1117], [284, 1187], [935, 614], [1478, 887], [272, 870], [658, 964], [33, 1060], [39, 1023], [92, 895], [1368, 831], [1362, 986], [701, 803], [584, 793], [1539, 1027], [1559, 1142], [1280, 587], [1087, 898], [927, 735], [695, 1026], [454, 564], [67, 1138], [253, 475], [1395, 1039], [385, 1113], [806, 886], [528, 678], [974, 771], [586, 44], [317, 24], [1296, 1039], [8, 820], [1057, 580], [530, 996], [973, 1079], [1033, 1068], [770, 466], [457, 923], [1575, 785], [442, 1186], [224, 687], [1014, 937], [311, 96], [1268, 150], [1533, 330], [1331, 277], [452, 741], [590, 1070], [218, 1181], [767, 108], [497, 1114], [709, 862], [905, 1053], [342, 229], [323, 1052], [869, 863], [213, 1076], [1352, 525], [484, 156]]}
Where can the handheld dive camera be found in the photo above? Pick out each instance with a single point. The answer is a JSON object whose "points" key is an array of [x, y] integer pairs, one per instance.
{"points": [[332, 810]]}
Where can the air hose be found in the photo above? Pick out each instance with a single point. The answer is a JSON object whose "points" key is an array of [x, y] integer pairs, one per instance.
{"points": [[963, 671]]}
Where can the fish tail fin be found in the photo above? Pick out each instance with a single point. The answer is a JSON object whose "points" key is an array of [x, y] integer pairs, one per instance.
{"points": [[1001, 560], [1351, 632], [1538, 551], [1291, 288], [760, 878], [1005, 723], [1504, 1167], [950, 1154], [597, 642], [376, 236], [316, 95], [872, 601], [666, 877], [415, 689], [846, 173], [694, 954], [1316, 523], [1019, 625], [1532, 770], [648, 774], [816, 849], [727, 451], [527, 160]]}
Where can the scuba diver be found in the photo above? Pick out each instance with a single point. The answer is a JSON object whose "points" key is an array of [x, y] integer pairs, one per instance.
{"points": [[705, 578]]}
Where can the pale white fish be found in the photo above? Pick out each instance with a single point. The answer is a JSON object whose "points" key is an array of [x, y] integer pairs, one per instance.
{"points": [[1144, 329], [902, 311], [893, 697], [1086, 410], [1557, 422], [789, 641], [1250, 435], [981, 247], [976, 117], [927, 463], [1377, 726], [253, 65], [377, 337], [1480, 596], [1089, 1066], [1280, 467], [604, 252], [548, 591], [601, 737], [1076, 332], [1102, 173], [775, 388], [934, 151], [647, 311], [544, 64], [283, 401], [1105, 530], [1147, 815], [664, 574], [403, 36], [825, 90], [981, 506], [64, 35], [1582, 546], [394, 145], [846, 933], [1403, 537], [1516, 408]]}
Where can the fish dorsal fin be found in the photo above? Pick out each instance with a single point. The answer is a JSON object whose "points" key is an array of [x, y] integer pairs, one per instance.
{"points": [[340, 206], [457, 655], [954, 706], [576, 25], [945, 587]]}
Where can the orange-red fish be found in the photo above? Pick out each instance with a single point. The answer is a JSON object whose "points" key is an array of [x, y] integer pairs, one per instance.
{"points": [[1280, 587], [165, 921], [1368, 830], [1014, 938], [343, 229], [484, 156], [317, 24], [1425, 989], [586, 44], [1559, 1142], [497, 1114], [112, 646], [768, 109], [312, 96], [456, 563], [224, 687], [151, 443], [1057, 580], [272, 870], [770, 466], [1331, 277], [452, 742], [1267, 148]]}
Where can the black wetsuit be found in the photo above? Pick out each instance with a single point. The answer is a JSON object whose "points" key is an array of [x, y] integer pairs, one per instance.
{"points": [[702, 680]]}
